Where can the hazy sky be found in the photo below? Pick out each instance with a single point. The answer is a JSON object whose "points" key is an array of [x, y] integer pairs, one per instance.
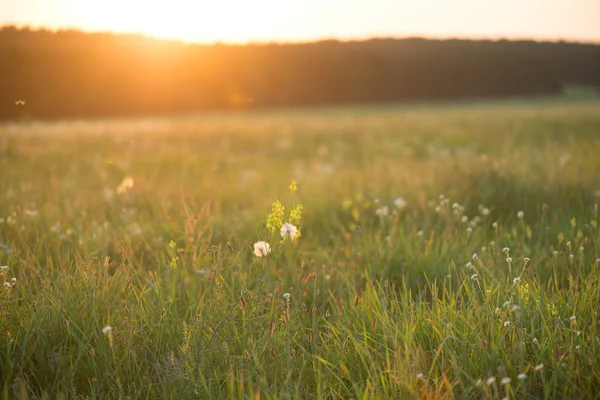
{"points": [[299, 20]]}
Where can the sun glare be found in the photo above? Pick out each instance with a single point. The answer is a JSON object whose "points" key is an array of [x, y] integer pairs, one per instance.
{"points": [[189, 21]]}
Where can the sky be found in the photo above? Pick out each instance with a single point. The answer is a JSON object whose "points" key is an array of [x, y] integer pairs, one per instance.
{"points": [[241, 21]]}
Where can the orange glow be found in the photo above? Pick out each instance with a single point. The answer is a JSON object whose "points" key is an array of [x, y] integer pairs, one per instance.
{"points": [[302, 20]]}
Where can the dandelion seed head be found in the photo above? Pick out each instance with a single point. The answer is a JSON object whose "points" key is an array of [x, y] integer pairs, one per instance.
{"points": [[288, 231], [262, 249]]}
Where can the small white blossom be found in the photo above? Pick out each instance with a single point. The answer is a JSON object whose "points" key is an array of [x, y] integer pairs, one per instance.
{"points": [[494, 225], [516, 280], [539, 367], [485, 211], [288, 231], [573, 318], [571, 256], [400, 203], [4, 267], [522, 376], [7, 284], [515, 308], [479, 382], [507, 323], [509, 259], [262, 248], [286, 295], [475, 256], [474, 276], [107, 329], [420, 376], [526, 259], [491, 380], [555, 252], [505, 250], [464, 219], [382, 211], [13, 280], [520, 214], [469, 230], [420, 233], [506, 304], [505, 381]]}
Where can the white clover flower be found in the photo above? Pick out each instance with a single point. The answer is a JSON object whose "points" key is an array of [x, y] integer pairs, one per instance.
{"points": [[400, 203], [261, 249], [539, 367], [286, 295], [288, 231], [505, 381], [597, 260], [535, 340], [522, 376], [455, 206], [107, 329], [520, 214], [490, 380], [382, 211]]}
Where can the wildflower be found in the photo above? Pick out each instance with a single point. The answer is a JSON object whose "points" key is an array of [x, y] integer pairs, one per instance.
{"points": [[505, 250], [479, 383], [286, 295], [7, 285], [4, 267], [494, 225], [485, 211], [288, 231], [293, 187], [522, 376], [474, 276], [469, 230], [539, 367], [262, 249], [125, 185], [520, 214], [31, 213], [275, 218], [526, 259], [507, 323], [581, 249], [509, 259], [420, 376], [469, 265], [571, 256], [13, 280], [475, 257], [382, 211], [506, 304], [107, 329], [505, 381], [400, 203], [535, 340], [420, 233], [555, 253], [516, 280], [515, 308], [490, 380], [464, 219], [573, 318]]}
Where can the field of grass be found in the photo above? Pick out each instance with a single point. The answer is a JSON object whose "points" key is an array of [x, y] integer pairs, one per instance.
{"points": [[445, 252]]}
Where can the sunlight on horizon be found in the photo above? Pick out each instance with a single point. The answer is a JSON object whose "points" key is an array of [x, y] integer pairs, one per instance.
{"points": [[270, 20]]}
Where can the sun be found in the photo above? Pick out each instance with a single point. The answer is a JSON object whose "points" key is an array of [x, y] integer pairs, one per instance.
{"points": [[195, 21]]}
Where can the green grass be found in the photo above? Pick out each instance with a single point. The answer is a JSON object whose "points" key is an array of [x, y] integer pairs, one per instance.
{"points": [[380, 306]]}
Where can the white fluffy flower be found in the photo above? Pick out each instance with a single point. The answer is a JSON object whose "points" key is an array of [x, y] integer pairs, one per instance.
{"points": [[107, 329], [288, 231], [261, 248], [400, 203]]}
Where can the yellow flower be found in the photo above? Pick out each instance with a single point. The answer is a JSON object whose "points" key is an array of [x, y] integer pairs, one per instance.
{"points": [[275, 218], [293, 187]]}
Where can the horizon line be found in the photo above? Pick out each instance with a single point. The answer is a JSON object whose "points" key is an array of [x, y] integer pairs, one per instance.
{"points": [[341, 38]]}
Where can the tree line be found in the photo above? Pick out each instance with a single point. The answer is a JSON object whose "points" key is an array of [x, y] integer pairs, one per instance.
{"points": [[75, 74]]}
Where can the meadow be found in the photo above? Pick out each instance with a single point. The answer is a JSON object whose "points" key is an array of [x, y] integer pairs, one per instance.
{"points": [[447, 251]]}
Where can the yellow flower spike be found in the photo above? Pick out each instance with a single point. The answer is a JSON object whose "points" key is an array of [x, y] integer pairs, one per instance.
{"points": [[293, 187], [275, 218]]}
